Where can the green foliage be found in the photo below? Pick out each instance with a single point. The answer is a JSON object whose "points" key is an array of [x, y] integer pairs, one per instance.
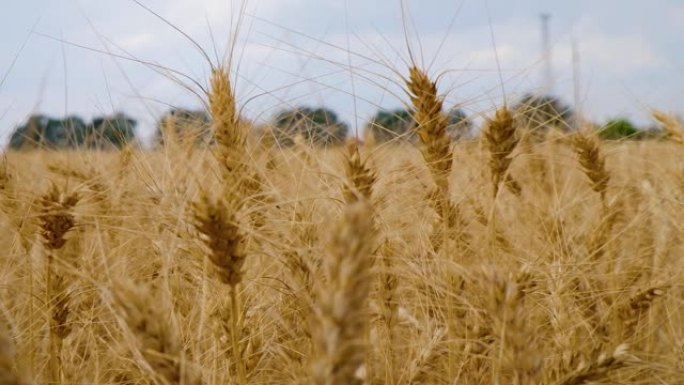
{"points": [[618, 129], [184, 125], [539, 114], [116, 130], [40, 130], [391, 125], [399, 125], [316, 125], [460, 126], [72, 132]]}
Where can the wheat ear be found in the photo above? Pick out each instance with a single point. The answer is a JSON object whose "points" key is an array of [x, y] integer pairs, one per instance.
{"points": [[437, 152], [240, 181], [418, 369], [516, 341], [56, 220], [157, 338], [501, 139], [432, 125], [226, 126], [360, 176], [593, 163], [632, 311], [673, 126], [341, 315], [598, 369], [217, 223]]}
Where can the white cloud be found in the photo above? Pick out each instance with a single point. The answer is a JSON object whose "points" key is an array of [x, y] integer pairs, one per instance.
{"points": [[136, 41], [620, 55], [675, 14], [604, 51]]}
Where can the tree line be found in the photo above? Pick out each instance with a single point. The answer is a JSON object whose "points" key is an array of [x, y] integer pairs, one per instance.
{"points": [[113, 131], [537, 115]]}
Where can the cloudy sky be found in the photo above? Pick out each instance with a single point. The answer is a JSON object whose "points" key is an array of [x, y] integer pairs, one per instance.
{"points": [[94, 57]]}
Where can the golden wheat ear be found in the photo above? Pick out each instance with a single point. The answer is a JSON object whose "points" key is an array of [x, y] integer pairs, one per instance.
{"points": [[431, 125], [341, 315], [8, 359], [522, 356], [605, 365], [437, 151], [217, 224], [360, 177], [56, 220], [216, 221], [592, 162], [500, 137], [672, 126], [229, 135], [241, 181], [633, 310], [157, 338]]}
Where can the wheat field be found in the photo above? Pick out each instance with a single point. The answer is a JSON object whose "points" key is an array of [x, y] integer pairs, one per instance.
{"points": [[502, 260]]}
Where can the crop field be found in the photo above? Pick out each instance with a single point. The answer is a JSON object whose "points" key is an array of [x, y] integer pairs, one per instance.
{"points": [[499, 261], [299, 253]]}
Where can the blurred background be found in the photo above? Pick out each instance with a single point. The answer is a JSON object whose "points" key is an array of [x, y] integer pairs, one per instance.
{"points": [[94, 59]]}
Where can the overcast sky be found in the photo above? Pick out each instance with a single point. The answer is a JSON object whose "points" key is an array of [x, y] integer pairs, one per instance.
{"points": [[70, 55]]}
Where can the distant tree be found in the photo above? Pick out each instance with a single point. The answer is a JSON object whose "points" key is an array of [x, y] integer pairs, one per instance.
{"points": [[184, 125], [42, 131], [72, 131], [30, 134], [391, 125], [652, 132], [617, 129], [539, 114], [55, 134], [460, 126], [110, 131], [317, 125], [399, 124], [75, 129]]}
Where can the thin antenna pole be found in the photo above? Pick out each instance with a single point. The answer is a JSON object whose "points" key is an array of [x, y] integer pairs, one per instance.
{"points": [[576, 85], [546, 51]]}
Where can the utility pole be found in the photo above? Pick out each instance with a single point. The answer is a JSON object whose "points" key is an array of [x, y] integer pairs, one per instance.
{"points": [[576, 85], [546, 51]]}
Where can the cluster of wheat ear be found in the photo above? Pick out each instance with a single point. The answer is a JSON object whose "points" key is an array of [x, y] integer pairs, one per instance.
{"points": [[443, 263]]}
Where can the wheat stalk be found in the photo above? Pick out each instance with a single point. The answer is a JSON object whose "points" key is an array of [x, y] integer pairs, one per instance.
{"points": [[599, 369], [240, 180], [505, 306], [360, 182], [56, 220], [216, 222], [341, 315], [5, 175], [634, 308], [598, 241], [388, 283], [157, 338], [437, 152], [8, 356], [419, 368]]}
